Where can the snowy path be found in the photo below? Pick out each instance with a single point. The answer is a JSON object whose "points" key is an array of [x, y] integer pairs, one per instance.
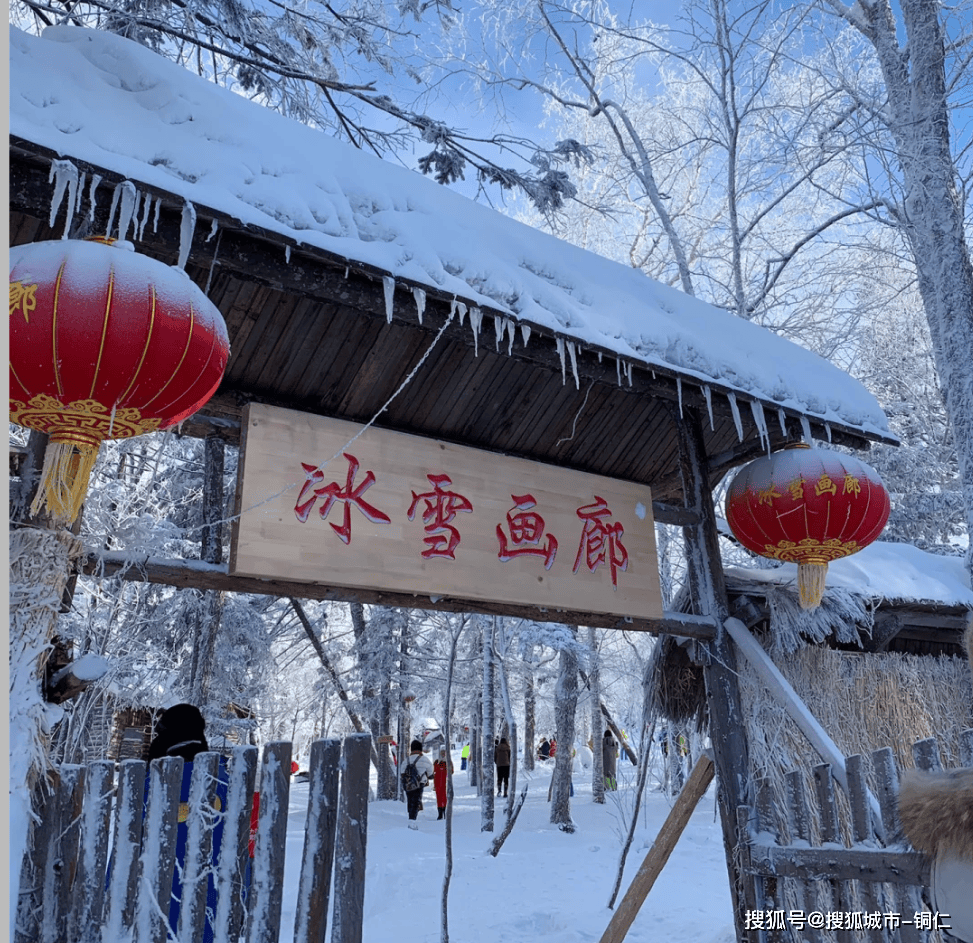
{"points": [[543, 886]]}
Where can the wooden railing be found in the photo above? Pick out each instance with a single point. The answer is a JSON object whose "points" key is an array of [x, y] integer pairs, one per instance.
{"points": [[103, 851], [861, 876]]}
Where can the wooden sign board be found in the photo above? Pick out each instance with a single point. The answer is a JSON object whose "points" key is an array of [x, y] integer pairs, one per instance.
{"points": [[320, 502]]}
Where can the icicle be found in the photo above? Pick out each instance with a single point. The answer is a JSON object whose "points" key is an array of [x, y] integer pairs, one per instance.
{"points": [[618, 371], [708, 396], [573, 354], [287, 255], [599, 356], [111, 210], [628, 372], [679, 394], [186, 229], [476, 319], [782, 418], [95, 180], [827, 430], [559, 341], [65, 177], [736, 414], [214, 228], [511, 331], [388, 286], [146, 207], [498, 329], [525, 333], [346, 273], [420, 297], [128, 208], [806, 430], [760, 420], [155, 218], [81, 182], [111, 421]]}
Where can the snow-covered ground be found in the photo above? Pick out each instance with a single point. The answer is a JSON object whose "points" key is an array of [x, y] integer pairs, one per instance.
{"points": [[544, 885]]}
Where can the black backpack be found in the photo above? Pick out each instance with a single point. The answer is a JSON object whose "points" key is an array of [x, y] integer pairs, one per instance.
{"points": [[412, 779]]}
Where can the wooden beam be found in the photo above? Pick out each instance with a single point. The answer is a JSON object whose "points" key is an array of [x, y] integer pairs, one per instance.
{"points": [[655, 860], [840, 864], [184, 574]]}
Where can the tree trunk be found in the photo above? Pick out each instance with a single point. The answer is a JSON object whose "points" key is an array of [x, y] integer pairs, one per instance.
{"points": [[597, 757], [529, 708], [486, 759], [932, 214], [565, 704]]}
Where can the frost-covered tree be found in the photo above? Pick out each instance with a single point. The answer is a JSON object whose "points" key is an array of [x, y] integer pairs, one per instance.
{"points": [[358, 69], [914, 146], [565, 706]]}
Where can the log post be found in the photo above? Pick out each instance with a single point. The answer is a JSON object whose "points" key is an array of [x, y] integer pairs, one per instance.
{"points": [[211, 551], [708, 592]]}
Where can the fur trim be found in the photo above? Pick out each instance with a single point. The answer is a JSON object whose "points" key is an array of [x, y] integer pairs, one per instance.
{"points": [[936, 810]]}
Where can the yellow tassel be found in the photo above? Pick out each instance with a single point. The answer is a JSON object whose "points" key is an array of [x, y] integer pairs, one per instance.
{"points": [[64, 480], [810, 583]]}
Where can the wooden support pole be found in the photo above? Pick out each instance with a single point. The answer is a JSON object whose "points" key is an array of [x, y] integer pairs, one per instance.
{"points": [[655, 860], [707, 586]]}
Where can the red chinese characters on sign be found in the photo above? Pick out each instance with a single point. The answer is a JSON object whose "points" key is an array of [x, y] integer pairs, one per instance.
{"points": [[441, 507], [526, 532], [333, 492], [601, 541]]}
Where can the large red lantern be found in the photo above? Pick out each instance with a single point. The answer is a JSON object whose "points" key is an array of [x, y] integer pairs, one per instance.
{"points": [[104, 344], [809, 507]]}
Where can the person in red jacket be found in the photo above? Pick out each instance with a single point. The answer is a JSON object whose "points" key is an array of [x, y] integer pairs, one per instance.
{"points": [[439, 771]]}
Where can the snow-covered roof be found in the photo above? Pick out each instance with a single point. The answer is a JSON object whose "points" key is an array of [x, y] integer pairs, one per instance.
{"points": [[104, 100], [895, 573]]}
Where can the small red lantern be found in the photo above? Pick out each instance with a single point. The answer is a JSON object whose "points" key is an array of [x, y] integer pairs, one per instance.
{"points": [[104, 344], [807, 506]]}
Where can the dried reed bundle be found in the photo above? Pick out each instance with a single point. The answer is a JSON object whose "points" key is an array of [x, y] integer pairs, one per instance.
{"points": [[675, 685], [840, 615], [865, 703]]}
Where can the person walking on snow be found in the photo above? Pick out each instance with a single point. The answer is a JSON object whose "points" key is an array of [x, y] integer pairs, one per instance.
{"points": [[609, 758], [424, 768], [439, 781], [501, 757]]}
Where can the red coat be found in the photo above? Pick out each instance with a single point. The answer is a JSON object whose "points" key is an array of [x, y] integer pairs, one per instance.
{"points": [[439, 782]]}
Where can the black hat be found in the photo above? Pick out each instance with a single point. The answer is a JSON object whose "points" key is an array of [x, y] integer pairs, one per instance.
{"points": [[179, 732]]}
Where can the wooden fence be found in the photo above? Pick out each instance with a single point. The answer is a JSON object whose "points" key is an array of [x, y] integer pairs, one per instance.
{"points": [[103, 851], [840, 856]]}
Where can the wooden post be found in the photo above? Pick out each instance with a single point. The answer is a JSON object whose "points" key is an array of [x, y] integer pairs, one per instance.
{"points": [[352, 831], [655, 860], [157, 861], [198, 864], [708, 592], [234, 855], [89, 894], [311, 921], [123, 883], [211, 551], [268, 857]]}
